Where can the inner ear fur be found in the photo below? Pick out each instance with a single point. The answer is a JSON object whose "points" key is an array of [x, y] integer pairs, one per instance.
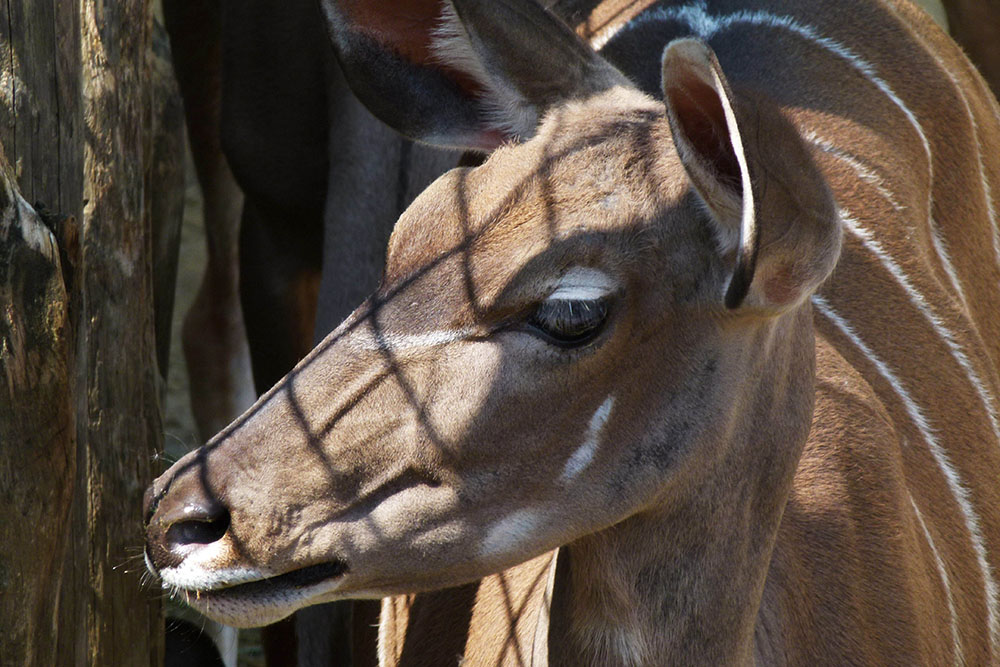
{"points": [[770, 206], [466, 74]]}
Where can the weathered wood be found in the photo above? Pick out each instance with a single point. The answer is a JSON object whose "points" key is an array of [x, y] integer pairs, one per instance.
{"points": [[91, 128], [37, 429]]}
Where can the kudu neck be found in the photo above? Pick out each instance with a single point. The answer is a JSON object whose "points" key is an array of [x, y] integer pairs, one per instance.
{"points": [[682, 580]]}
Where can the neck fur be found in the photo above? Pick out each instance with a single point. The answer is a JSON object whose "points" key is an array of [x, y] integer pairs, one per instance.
{"points": [[682, 581]]}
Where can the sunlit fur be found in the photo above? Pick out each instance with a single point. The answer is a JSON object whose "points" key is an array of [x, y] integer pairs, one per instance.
{"points": [[809, 473]]}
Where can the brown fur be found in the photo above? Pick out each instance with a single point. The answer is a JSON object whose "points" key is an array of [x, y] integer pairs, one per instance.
{"points": [[756, 490]]}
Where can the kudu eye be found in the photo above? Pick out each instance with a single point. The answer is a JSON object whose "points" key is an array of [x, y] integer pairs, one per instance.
{"points": [[569, 322]]}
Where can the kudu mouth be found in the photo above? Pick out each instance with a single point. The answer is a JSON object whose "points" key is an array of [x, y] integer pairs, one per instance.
{"points": [[187, 535], [302, 578], [266, 600]]}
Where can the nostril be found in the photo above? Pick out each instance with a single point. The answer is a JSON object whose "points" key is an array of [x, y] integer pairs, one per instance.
{"points": [[198, 530]]}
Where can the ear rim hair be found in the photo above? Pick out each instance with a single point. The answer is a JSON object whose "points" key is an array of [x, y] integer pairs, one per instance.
{"points": [[687, 63]]}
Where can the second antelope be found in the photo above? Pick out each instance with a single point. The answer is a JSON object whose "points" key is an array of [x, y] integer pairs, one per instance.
{"points": [[717, 319]]}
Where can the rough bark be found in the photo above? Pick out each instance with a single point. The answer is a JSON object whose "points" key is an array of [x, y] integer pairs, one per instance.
{"points": [[91, 133], [37, 429]]}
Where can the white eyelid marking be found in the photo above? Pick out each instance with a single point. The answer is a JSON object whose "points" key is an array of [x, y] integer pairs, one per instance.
{"points": [[582, 283], [582, 457]]}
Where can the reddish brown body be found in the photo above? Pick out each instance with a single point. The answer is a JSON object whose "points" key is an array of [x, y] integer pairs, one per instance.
{"points": [[743, 465]]}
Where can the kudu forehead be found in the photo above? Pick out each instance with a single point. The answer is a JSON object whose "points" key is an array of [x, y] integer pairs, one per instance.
{"points": [[595, 168]]}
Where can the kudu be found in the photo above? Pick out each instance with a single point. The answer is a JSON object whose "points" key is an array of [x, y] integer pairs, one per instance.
{"points": [[637, 334], [264, 94]]}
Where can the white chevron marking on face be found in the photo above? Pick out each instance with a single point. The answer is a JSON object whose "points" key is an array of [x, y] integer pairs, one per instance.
{"points": [[582, 457]]}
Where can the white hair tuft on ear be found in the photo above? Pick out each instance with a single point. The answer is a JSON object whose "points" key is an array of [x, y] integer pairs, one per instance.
{"points": [[504, 107]]}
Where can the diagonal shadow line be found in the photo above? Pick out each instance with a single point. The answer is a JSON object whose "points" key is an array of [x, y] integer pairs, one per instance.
{"points": [[545, 185], [639, 124], [636, 125], [468, 239], [372, 385], [396, 369], [314, 437], [513, 615], [213, 495]]}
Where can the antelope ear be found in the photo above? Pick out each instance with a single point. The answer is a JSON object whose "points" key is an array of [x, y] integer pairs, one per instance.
{"points": [[707, 136], [782, 257], [466, 74]]}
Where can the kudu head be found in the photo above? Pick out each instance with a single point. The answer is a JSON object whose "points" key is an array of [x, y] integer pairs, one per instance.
{"points": [[573, 332]]}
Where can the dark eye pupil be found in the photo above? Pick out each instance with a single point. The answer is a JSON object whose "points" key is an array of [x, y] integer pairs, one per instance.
{"points": [[569, 323]]}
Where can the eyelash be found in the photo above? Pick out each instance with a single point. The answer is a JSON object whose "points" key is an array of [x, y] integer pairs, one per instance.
{"points": [[569, 323]]}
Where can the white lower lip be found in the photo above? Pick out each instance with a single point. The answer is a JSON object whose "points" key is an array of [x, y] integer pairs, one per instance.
{"points": [[203, 569], [242, 610], [191, 577]]}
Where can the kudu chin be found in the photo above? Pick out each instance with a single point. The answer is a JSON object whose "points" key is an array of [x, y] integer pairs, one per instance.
{"points": [[715, 319]]}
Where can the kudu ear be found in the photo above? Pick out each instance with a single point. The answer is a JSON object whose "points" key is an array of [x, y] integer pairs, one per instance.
{"points": [[707, 137], [466, 74], [780, 262]]}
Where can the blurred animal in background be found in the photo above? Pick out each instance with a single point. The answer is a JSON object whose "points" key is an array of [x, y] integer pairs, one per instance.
{"points": [[283, 273]]}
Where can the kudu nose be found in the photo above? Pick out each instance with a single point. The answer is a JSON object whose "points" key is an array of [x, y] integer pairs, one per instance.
{"points": [[179, 514]]}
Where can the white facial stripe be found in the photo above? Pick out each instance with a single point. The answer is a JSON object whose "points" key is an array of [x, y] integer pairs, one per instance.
{"points": [[943, 573], [582, 457], [955, 484], [582, 283], [388, 342], [504, 535]]}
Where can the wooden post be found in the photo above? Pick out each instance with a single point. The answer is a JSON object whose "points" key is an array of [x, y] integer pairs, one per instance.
{"points": [[37, 430], [84, 189]]}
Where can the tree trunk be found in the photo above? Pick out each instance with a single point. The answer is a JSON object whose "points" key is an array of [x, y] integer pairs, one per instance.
{"points": [[90, 131]]}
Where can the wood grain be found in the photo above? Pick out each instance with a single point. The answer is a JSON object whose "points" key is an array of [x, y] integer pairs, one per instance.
{"points": [[91, 130]]}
